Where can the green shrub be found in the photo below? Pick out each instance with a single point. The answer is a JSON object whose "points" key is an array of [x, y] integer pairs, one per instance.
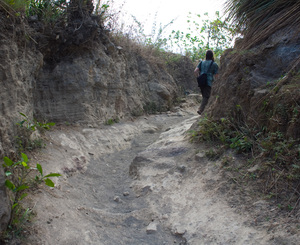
{"points": [[112, 121], [46, 10], [19, 178], [26, 127]]}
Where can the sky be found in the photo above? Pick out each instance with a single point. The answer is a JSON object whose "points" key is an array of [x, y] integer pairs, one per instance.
{"points": [[167, 10]]}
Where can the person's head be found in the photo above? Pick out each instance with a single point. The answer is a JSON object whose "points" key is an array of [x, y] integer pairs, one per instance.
{"points": [[209, 55]]}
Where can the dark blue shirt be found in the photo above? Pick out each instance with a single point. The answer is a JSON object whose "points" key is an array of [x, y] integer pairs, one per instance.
{"points": [[212, 71]]}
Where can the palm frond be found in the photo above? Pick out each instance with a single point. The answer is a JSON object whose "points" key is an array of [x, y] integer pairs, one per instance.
{"points": [[258, 19]]}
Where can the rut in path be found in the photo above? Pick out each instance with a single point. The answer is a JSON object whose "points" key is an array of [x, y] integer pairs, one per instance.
{"points": [[165, 199], [95, 202]]}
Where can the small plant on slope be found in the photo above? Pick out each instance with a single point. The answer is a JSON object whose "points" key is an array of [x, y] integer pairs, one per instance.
{"points": [[26, 128], [18, 179]]}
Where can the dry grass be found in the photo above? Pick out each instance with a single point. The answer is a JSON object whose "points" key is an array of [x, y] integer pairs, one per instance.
{"points": [[154, 56]]}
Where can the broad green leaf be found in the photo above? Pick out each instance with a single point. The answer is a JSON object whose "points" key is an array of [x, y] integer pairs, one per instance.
{"points": [[16, 204], [24, 164], [51, 124], [22, 187], [25, 158], [52, 175], [39, 167], [8, 161], [23, 196], [9, 185], [49, 182], [8, 173]]}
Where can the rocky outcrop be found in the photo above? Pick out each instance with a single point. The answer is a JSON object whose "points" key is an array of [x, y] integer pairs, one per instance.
{"points": [[182, 70], [92, 86], [259, 85], [18, 69]]}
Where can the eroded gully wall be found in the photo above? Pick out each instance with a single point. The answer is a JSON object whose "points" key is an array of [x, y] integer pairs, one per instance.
{"points": [[88, 87], [95, 85], [19, 67]]}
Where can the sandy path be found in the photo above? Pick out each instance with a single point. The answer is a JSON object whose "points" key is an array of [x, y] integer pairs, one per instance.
{"points": [[166, 198]]}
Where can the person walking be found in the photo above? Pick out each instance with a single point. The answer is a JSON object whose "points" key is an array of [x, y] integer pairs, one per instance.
{"points": [[209, 67]]}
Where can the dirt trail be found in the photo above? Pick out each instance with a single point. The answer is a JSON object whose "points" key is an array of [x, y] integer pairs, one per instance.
{"points": [[135, 183]]}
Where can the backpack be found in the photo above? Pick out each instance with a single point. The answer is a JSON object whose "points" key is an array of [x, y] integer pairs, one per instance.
{"points": [[202, 79]]}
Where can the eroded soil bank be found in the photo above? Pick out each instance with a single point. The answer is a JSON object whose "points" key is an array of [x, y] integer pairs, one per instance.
{"points": [[138, 182]]}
